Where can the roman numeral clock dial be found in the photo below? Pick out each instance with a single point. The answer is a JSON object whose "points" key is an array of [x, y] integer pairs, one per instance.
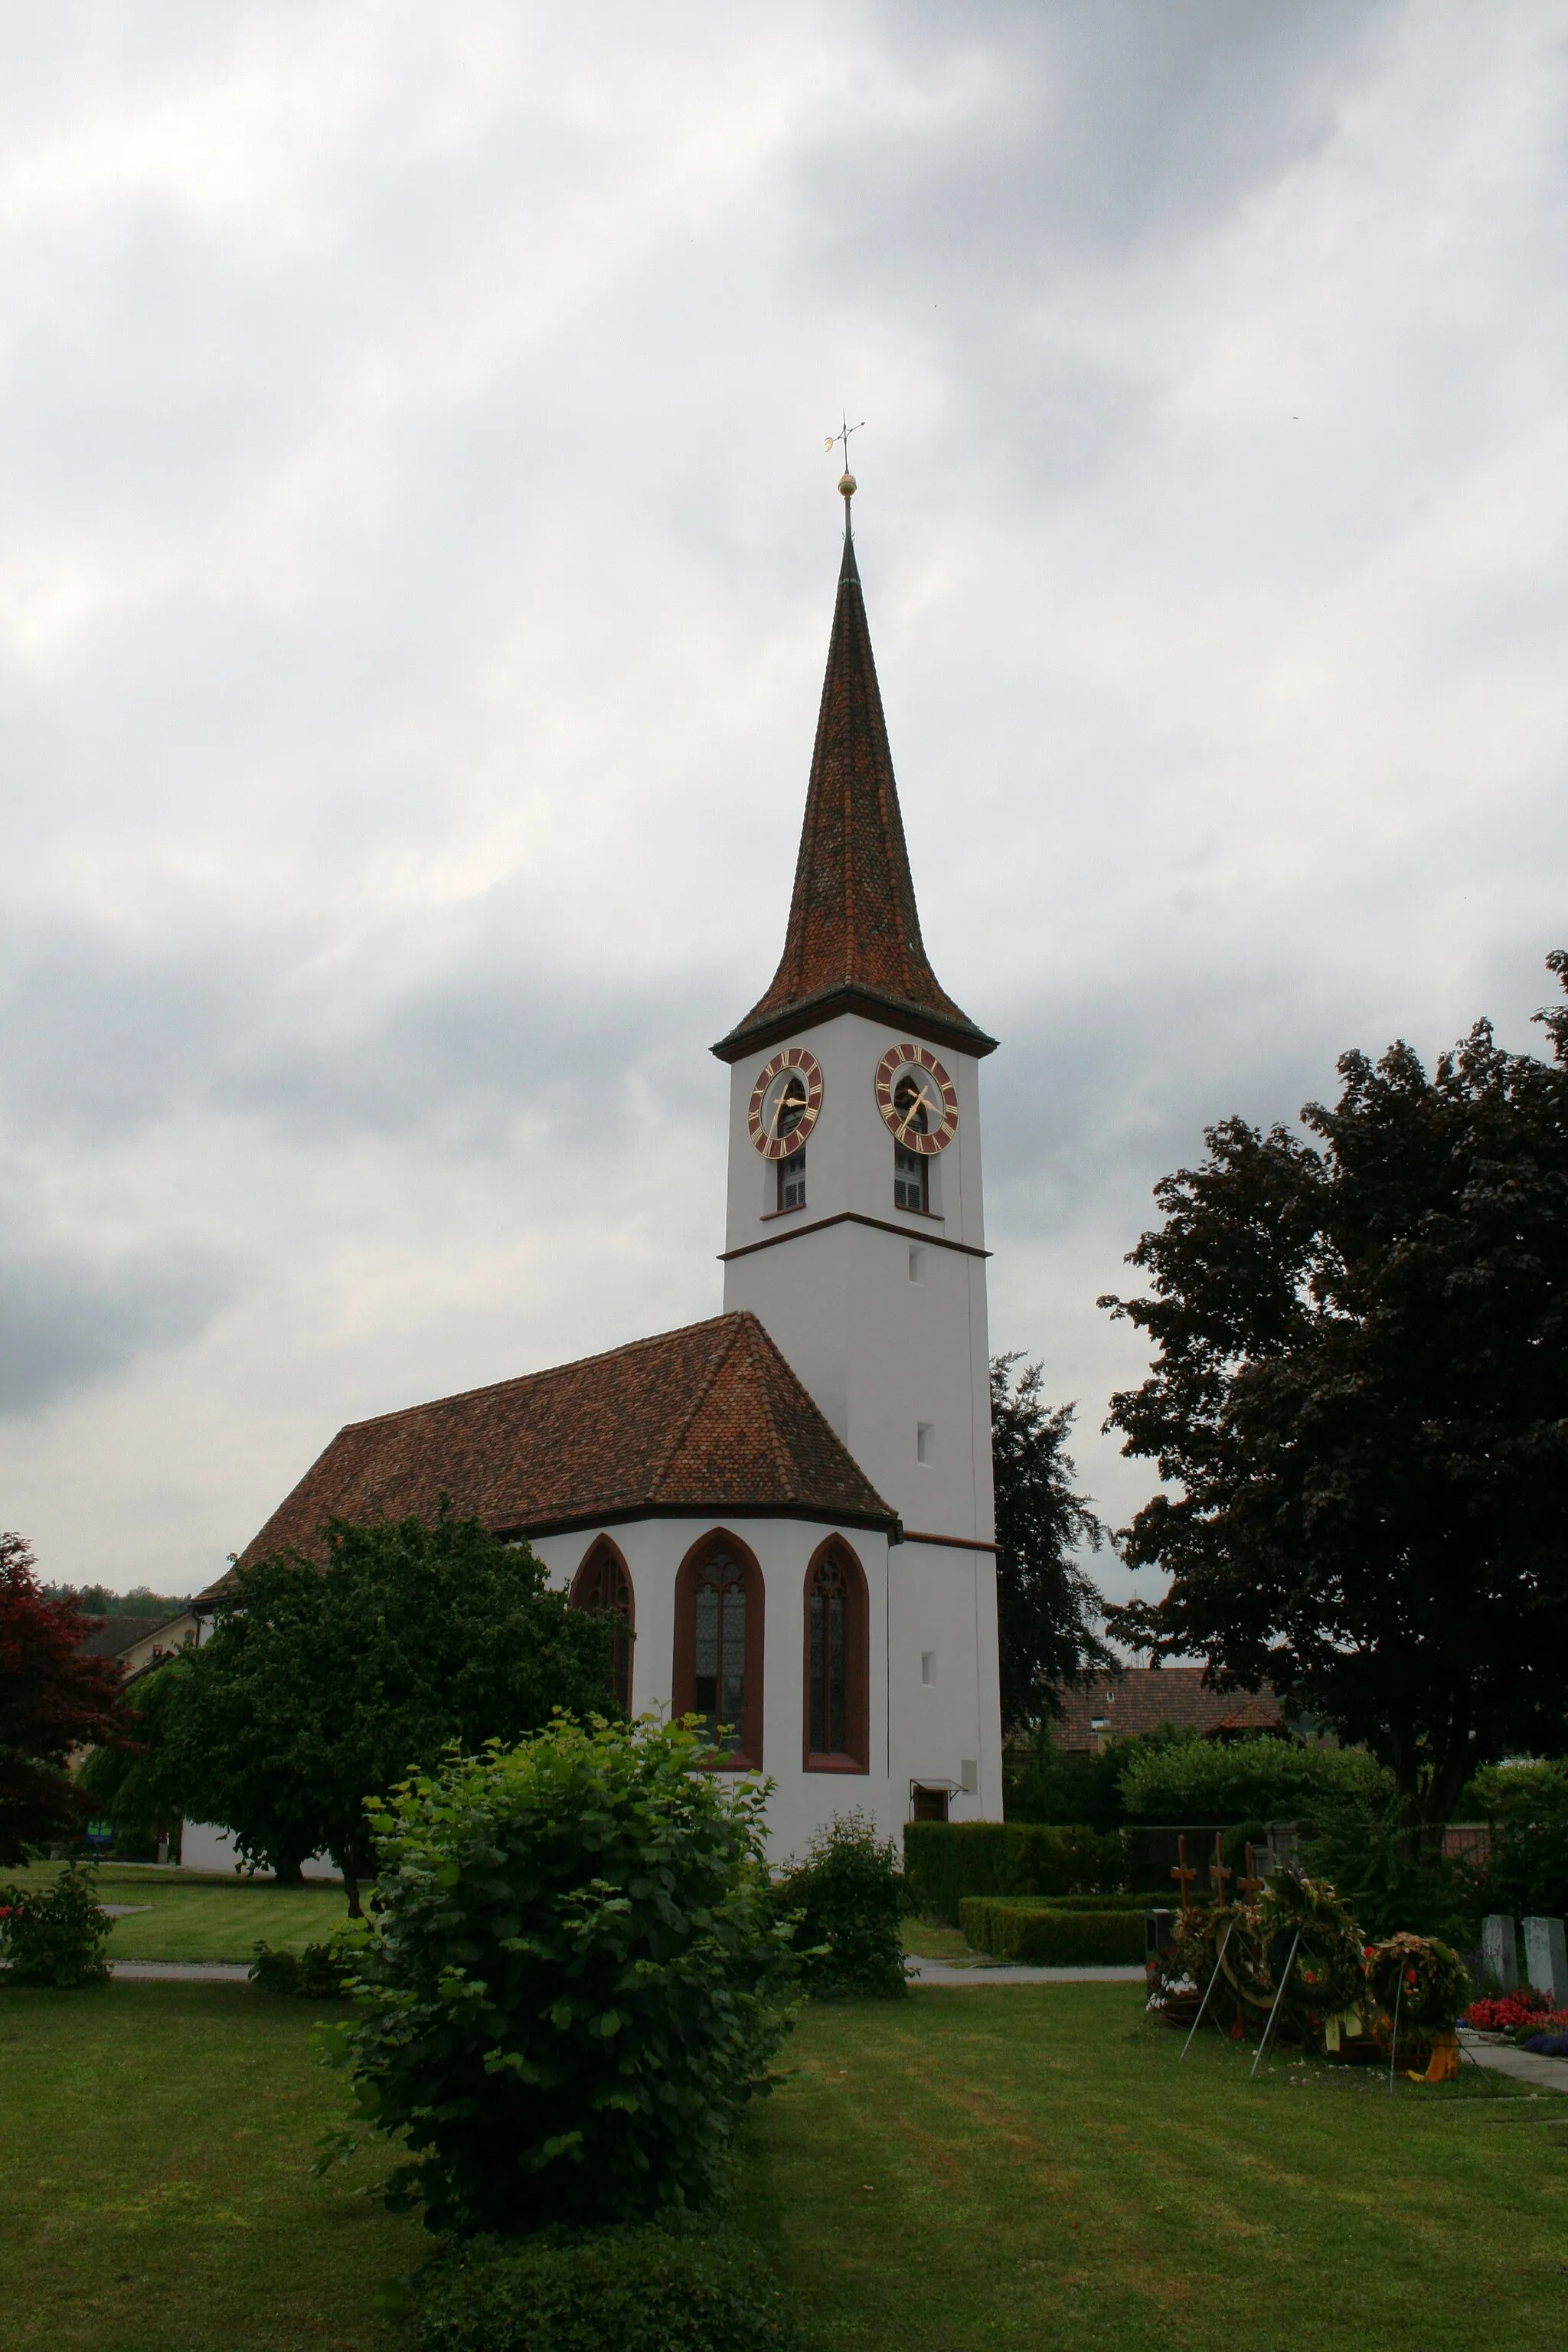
{"points": [[786, 1103], [918, 1100]]}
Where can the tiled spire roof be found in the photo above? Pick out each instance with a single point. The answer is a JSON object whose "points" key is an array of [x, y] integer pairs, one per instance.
{"points": [[705, 1422], [854, 938]]}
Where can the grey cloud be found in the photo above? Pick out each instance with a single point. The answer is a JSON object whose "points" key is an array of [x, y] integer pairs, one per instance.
{"points": [[71, 1320], [100, 1039]]}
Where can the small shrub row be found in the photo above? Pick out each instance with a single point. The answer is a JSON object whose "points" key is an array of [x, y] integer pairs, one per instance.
{"points": [[318, 1973], [55, 1934], [1046, 1938], [945, 1860], [640, 2290]]}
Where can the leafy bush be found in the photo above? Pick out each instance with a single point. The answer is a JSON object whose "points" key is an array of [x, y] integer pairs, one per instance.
{"points": [[945, 1860], [1259, 1780], [1390, 1879], [56, 1935], [1526, 1873], [843, 1898], [635, 2289], [1043, 1782], [320, 1972], [1026, 1931], [576, 1978]]}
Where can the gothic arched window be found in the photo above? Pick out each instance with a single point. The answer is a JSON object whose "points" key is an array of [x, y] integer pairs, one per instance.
{"points": [[719, 1648], [604, 1581], [837, 1661]]}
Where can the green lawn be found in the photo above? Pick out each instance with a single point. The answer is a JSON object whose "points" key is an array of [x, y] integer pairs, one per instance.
{"points": [[996, 2171], [154, 2186], [1003, 2169], [198, 1917]]}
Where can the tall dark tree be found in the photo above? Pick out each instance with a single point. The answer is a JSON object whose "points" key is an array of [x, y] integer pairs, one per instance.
{"points": [[1048, 1607], [324, 1684], [1359, 1400], [53, 1699]]}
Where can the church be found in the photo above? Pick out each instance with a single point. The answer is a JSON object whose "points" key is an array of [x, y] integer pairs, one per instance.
{"points": [[789, 1506]]}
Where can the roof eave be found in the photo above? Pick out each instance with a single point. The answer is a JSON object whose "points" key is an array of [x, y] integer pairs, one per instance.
{"points": [[932, 1028]]}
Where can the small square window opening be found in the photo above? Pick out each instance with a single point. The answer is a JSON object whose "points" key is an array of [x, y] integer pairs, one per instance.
{"points": [[917, 1266], [927, 1667], [924, 1436]]}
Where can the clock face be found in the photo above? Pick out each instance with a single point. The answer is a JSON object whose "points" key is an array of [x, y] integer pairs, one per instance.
{"points": [[786, 1103], [918, 1100]]}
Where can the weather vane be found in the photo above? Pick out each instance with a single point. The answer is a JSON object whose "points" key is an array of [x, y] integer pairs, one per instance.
{"points": [[835, 439]]}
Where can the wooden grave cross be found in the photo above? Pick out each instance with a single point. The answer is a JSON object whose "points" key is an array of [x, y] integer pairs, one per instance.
{"points": [[1181, 1871], [1219, 1874], [1251, 1885]]}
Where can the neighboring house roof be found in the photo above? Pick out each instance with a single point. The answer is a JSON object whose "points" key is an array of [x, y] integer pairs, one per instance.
{"points": [[112, 1635], [708, 1421], [1146, 1699], [854, 938]]}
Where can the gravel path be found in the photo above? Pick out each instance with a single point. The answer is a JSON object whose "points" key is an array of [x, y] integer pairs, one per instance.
{"points": [[1524, 2065], [180, 1971], [942, 1972]]}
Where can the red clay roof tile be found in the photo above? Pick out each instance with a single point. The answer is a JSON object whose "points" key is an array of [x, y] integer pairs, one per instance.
{"points": [[1144, 1699], [705, 1422], [854, 938]]}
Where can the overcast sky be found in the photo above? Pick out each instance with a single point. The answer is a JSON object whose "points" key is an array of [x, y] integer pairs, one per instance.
{"points": [[418, 557]]}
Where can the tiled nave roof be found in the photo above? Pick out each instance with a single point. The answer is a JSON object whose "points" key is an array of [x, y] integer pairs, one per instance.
{"points": [[706, 1422]]}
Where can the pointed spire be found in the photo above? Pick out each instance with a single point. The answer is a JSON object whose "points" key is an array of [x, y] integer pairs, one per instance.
{"points": [[853, 944]]}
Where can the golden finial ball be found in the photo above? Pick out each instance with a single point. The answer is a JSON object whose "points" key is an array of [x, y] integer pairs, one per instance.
{"points": [[846, 484]]}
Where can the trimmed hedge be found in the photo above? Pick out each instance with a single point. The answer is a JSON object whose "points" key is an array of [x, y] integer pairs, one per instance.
{"points": [[1062, 1940], [637, 2290], [945, 1860]]}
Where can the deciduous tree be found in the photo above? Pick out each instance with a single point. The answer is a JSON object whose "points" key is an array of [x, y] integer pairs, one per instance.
{"points": [[327, 1682], [52, 1699], [1360, 1403]]}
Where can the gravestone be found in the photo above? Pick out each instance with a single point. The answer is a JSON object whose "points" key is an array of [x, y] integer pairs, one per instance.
{"points": [[1498, 1948], [1546, 1958], [1156, 1934]]}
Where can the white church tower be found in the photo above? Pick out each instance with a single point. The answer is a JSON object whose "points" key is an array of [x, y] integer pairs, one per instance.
{"points": [[788, 1506], [855, 1227]]}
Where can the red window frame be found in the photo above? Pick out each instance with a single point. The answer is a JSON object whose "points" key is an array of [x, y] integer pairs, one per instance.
{"points": [[605, 1582], [854, 1756]]}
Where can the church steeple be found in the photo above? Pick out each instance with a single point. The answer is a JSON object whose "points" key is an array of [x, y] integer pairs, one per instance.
{"points": [[853, 944]]}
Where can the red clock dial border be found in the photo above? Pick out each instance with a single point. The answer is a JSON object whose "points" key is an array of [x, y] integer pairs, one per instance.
{"points": [[909, 1056], [779, 1147]]}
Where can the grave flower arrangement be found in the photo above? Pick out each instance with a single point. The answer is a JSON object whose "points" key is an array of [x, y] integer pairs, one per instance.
{"points": [[1182, 1972], [1325, 1992], [1424, 1978]]}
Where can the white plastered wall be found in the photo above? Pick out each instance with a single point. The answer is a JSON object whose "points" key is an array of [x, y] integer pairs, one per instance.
{"points": [[924, 1601]]}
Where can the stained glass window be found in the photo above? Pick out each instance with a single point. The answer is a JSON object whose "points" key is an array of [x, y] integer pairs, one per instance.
{"points": [[602, 1582], [829, 1653], [719, 1678]]}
